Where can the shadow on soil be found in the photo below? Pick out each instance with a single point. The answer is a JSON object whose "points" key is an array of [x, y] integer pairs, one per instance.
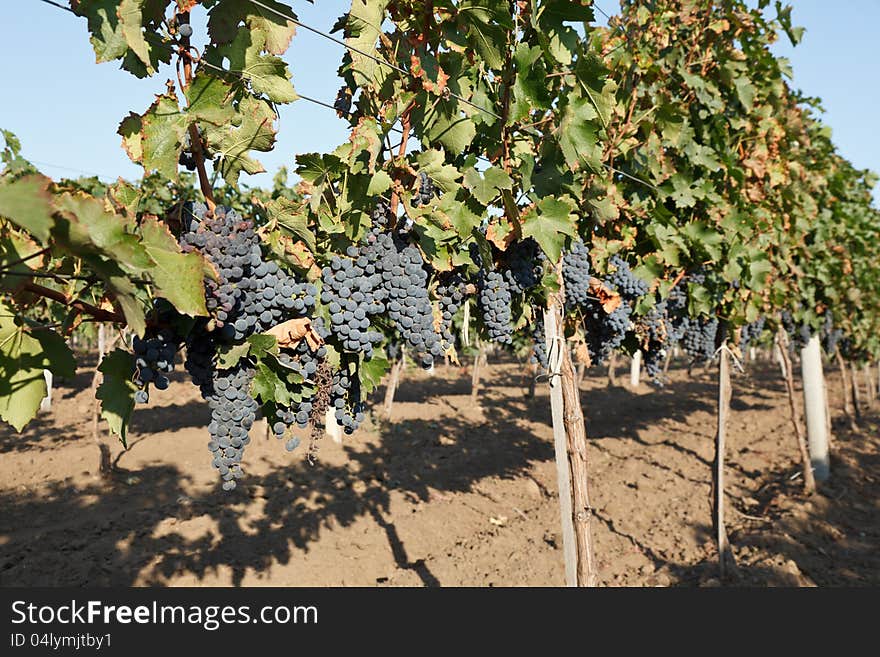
{"points": [[124, 529]]}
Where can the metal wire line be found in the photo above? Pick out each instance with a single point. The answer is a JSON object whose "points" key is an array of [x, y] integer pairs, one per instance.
{"points": [[59, 5]]}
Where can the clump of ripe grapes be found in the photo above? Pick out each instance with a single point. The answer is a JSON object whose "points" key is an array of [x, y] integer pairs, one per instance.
{"points": [[154, 360], [495, 300], [605, 330], [352, 290], [698, 337], [342, 104], [576, 275], [751, 333], [624, 281], [539, 342], [249, 296], [523, 264], [426, 191], [400, 272], [451, 293]]}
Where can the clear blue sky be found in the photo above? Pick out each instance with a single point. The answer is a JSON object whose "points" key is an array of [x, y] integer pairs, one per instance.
{"points": [[65, 108]]}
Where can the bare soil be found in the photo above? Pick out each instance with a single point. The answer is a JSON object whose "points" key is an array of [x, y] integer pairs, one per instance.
{"points": [[444, 492]]}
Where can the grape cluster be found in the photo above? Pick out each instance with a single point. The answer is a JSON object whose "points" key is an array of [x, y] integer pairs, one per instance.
{"points": [[345, 397], [799, 334], [539, 340], [495, 302], [576, 276], [342, 104], [622, 279], [250, 295], [154, 359], [409, 305], [426, 191], [831, 336], [655, 330], [352, 290], [233, 411], [605, 332], [523, 265], [306, 363], [698, 337], [186, 159], [751, 333], [451, 293]]}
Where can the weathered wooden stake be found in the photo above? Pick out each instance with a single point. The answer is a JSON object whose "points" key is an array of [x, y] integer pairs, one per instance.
{"points": [[393, 382], [479, 362], [570, 442], [809, 480], [635, 369], [726, 560]]}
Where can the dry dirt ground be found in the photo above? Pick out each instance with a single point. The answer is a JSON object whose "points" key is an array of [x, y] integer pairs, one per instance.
{"points": [[444, 493]]}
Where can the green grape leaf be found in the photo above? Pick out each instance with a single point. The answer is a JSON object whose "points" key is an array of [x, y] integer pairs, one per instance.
{"points": [[485, 24], [253, 129], [363, 30], [58, 358], [178, 276], [371, 372], [131, 20], [92, 225], [108, 38], [549, 223], [229, 355], [27, 203], [163, 131], [276, 32], [116, 391], [443, 123], [262, 344], [432, 163], [22, 361], [486, 188], [267, 386], [210, 99], [577, 133], [132, 139], [290, 216], [267, 74]]}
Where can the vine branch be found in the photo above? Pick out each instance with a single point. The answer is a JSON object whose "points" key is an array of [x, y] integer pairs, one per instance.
{"points": [[99, 314]]}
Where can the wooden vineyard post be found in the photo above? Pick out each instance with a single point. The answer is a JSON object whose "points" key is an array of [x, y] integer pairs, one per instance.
{"points": [[635, 369], [46, 402], [393, 381], [612, 369], [479, 362], [856, 394], [570, 442], [847, 400], [104, 465], [870, 392], [668, 361], [777, 356], [809, 480], [814, 408], [726, 562]]}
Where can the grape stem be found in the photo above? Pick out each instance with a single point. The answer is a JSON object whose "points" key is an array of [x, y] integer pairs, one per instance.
{"points": [[98, 313], [406, 125], [195, 138]]}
